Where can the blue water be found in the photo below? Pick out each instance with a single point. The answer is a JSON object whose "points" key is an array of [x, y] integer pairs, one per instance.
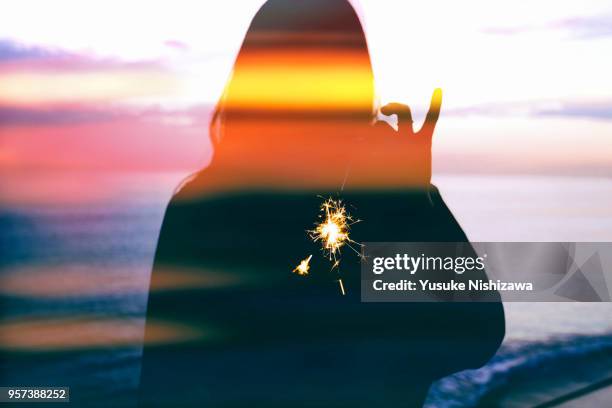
{"points": [[84, 267]]}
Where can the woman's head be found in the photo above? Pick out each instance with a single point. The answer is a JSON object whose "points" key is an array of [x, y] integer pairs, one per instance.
{"points": [[300, 94], [301, 60]]}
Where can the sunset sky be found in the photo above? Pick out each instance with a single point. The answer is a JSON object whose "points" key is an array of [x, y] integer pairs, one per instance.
{"points": [[118, 85]]}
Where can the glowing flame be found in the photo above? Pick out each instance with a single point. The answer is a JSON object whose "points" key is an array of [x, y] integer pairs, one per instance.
{"points": [[333, 231], [304, 267]]}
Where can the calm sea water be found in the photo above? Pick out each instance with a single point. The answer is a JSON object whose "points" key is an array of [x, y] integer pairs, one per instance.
{"points": [[75, 268]]}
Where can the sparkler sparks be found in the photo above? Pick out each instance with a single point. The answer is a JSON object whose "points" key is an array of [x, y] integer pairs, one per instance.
{"points": [[303, 268], [341, 287], [333, 231]]}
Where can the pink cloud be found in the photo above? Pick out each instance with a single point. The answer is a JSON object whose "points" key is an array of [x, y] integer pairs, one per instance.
{"points": [[176, 44]]}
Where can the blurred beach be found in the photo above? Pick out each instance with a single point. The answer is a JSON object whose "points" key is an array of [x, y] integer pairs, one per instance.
{"points": [[76, 260]]}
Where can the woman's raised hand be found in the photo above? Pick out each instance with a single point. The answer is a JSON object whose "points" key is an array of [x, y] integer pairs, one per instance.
{"points": [[413, 148], [404, 116]]}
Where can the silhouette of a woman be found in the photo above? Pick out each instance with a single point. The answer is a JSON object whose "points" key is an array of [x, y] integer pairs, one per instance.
{"points": [[228, 324]]}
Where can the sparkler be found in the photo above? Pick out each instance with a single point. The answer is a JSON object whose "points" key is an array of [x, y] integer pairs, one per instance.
{"points": [[303, 268], [333, 231]]}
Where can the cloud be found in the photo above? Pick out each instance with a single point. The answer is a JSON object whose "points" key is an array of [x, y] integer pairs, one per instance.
{"points": [[176, 44], [57, 116], [580, 28], [586, 27], [13, 51], [595, 110], [16, 116], [15, 56], [35, 75]]}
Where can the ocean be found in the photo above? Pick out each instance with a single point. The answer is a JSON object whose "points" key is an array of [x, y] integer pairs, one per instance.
{"points": [[76, 260]]}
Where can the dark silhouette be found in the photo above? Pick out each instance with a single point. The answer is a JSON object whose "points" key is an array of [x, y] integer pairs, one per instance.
{"points": [[228, 324]]}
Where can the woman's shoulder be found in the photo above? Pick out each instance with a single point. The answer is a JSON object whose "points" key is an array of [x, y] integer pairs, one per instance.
{"points": [[190, 189]]}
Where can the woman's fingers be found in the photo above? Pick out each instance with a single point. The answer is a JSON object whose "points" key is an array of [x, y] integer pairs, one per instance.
{"points": [[434, 113], [404, 115]]}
